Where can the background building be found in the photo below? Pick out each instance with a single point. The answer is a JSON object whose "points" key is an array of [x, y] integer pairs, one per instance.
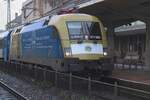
{"points": [[130, 41], [33, 9]]}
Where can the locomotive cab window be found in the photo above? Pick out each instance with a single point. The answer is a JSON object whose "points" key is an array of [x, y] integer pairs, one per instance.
{"points": [[75, 28], [84, 30], [18, 31], [46, 23]]}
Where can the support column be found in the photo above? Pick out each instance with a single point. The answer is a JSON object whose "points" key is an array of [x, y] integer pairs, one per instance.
{"points": [[147, 54], [111, 44]]}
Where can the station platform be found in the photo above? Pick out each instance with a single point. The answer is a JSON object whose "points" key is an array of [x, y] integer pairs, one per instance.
{"points": [[139, 76]]}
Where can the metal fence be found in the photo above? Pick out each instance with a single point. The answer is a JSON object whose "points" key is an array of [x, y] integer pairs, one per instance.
{"points": [[72, 83]]}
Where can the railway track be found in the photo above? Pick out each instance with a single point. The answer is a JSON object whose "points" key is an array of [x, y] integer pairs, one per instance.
{"points": [[116, 87], [13, 95]]}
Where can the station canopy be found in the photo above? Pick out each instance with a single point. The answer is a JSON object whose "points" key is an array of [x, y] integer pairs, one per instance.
{"points": [[117, 12]]}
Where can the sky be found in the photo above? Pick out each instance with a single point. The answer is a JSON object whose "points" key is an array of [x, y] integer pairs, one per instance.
{"points": [[16, 6]]}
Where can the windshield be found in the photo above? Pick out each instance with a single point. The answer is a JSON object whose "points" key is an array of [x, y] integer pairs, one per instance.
{"points": [[84, 30]]}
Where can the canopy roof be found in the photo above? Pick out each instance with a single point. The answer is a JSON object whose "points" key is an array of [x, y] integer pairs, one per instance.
{"points": [[118, 12]]}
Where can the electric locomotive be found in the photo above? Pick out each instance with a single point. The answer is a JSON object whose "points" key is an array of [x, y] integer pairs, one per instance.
{"points": [[66, 43]]}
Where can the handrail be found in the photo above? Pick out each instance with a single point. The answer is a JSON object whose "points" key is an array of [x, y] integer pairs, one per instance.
{"points": [[104, 83]]}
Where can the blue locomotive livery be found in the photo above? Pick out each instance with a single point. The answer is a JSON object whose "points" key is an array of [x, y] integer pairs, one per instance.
{"points": [[5, 45], [66, 43]]}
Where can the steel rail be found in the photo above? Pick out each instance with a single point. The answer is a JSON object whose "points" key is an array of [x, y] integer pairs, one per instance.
{"points": [[12, 91]]}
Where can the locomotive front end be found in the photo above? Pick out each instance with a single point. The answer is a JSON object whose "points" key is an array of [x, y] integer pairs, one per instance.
{"points": [[85, 43]]}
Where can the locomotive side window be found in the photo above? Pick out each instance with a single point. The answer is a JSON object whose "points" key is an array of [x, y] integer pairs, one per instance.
{"points": [[46, 23], [18, 30], [84, 30]]}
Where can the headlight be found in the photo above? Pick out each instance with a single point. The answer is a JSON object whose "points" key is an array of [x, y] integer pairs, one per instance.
{"points": [[67, 51], [68, 54], [105, 53]]}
